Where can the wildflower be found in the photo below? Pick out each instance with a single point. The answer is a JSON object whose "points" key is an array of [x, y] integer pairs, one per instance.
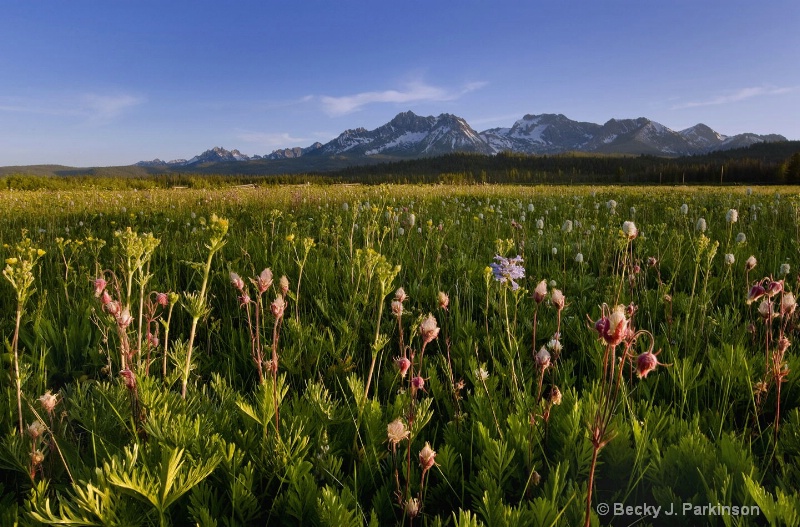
{"points": [[412, 507], [481, 374], [684, 209], [429, 329], [277, 307], [783, 344], [750, 263], [613, 328], [244, 299], [427, 457], [162, 299], [645, 363], [124, 319], [788, 304], [112, 308], [701, 225], [105, 298], [542, 359], [283, 284], [263, 281], [540, 223], [540, 293], [531, 208], [400, 231], [741, 238], [611, 205], [129, 379], [732, 216], [508, 270], [418, 383], [99, 286], [400, 295], [237, 281], [579, 258], [554, 250], [403, 364], [567, 227], [765, 309], [629, 230], [652, 261], [443, 300], [48, 402], [37, 457], [36, 429], [774, 287], [555, 344], [397, 431], [397, 308], [729, 259], [290, 238], [558, 299], [633, 211], [785, 268], [554, 396], [755, 292]]}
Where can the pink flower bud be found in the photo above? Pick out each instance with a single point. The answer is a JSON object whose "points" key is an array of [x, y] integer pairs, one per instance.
{"points": [[774, 288], [263, 281], [278, 307], [99, 286], [427, 457], [237, 281], [429, 329], [403, 364], [540, 293], [418, 383], [129, 379], [543, 359], [645, 363], [756, 292], [105, 298], [162, 299], [112, 308]]}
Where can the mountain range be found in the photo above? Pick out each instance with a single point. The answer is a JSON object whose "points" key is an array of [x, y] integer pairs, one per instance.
{"points": [[409, 136]]}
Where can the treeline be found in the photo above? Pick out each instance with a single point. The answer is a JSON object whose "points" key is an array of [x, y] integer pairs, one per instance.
{"points": [[765, 163]]}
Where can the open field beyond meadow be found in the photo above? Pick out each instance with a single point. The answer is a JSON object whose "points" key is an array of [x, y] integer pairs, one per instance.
{"points": [[396, 355]]}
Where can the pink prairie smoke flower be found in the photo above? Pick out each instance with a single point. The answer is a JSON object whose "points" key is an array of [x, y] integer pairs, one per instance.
{"points": [[403, 364], [124, 319], [543, 359], [244, 299], [645, 363], [263, 281], [651, 261], [112, 308], [444, 300], [774, 287], [557, 298], [283, 284], [99, 286], [105, 298], [48, 402], [277, 307], [396, 431], [554, 396], [162, 299], [755, 293], [412, 507], [36, 429], [750, 263], [397, 308], [427, 457], [783, 344], [540, 293], [429, 329], [129, 379], [613, 328], [237, 281], [400, 295], [152, 340], [788, 304], [418, 383]]}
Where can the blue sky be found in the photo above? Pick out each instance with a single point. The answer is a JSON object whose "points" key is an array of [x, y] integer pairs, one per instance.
{"points": [[115, 82]]}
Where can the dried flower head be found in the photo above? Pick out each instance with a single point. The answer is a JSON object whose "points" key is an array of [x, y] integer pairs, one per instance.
{"points": [[750, 263], [129, 379], [237, 281], [429, 329], [540, 293], [783, 344], [403, 364], [263, 281], [397, 308], [412, 507], [543, 359], [629, 230], [283, 284], [36, 429], [443, 300], [788, 304], [427, 457], [558, 299], [277, 307], [554, 396], [397, 431], [48, 402], [400, 295]]}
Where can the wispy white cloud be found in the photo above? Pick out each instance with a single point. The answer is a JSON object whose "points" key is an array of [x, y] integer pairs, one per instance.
{"points": [[412, 92], [273, 140], [736, 96], [93, 107]]}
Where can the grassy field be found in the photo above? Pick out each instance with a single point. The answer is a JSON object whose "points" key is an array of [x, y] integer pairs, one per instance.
{"points": [[396, 355]]}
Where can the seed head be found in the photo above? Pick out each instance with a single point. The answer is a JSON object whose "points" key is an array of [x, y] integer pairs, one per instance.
{"points": [[48, 402], [283, 284], [629, 230], [554, 396], [427, 457], [684, 209], [701, 225], [785, 269], [396, 431], [543, 359], [429, 329], [750, 263], [788, 304], [237, 281], [263, 281], [277, 307], [400, 295], [765, 309], [729, 259], [540, 293], [36, 429], [444, 300], [557, 298], [412, 507], [741, 238], [783, 344]]}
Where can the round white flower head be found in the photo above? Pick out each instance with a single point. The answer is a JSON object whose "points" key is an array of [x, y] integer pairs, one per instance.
{"points": [[732, 216], [579, 258], [701, 225], [729, 259], [555, 251], [684, 209], [567, 227], [630, 230], [741, 238], [540, 223], [785, 268]]}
